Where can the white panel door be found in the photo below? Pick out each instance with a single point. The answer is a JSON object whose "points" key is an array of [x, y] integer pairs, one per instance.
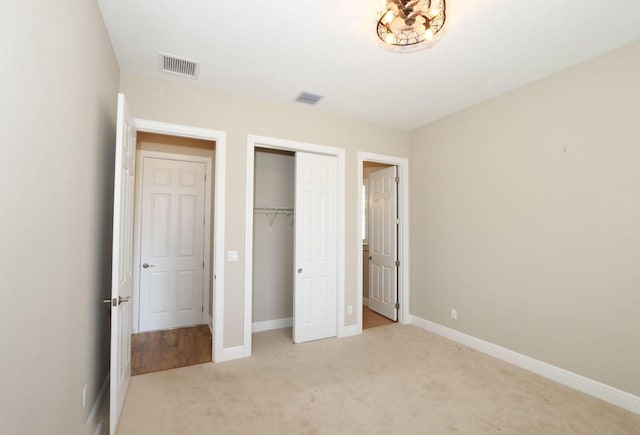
{"points": [[383, 242], [171, 244], [315, 284], [122, 261]]}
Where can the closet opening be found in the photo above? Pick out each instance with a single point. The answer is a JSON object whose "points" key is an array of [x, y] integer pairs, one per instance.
{"points": [[316, 273], [273, 240]]}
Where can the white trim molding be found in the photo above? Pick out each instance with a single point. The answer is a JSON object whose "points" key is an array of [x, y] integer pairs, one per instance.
{"points": [[403, 237], [269, 325], [231, 353], [220, 137], [578, 382], [351, 330], [98, 404], [254, 141]]}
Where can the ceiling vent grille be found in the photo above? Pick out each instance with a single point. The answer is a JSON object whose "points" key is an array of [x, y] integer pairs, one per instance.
{"points": [[179, 65], [308, 98]]}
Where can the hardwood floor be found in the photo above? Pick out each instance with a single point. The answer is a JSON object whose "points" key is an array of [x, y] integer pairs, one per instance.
{"points": [[371, 319], [162, 350]]}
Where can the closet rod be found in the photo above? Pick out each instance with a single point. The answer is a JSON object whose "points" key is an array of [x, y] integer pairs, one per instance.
{"points": [[279, 210]]}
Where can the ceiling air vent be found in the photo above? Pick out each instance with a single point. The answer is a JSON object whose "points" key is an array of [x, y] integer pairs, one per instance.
{"points": [[179, 65], [308, 98]]}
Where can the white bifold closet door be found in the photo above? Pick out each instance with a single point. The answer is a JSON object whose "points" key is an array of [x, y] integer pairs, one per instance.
{"points": [[315, 283]]}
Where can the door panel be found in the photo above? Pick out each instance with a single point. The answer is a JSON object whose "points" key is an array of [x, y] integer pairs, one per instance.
{"points": [[315, 289], [122, 261], [383, 245], [172, 243]]}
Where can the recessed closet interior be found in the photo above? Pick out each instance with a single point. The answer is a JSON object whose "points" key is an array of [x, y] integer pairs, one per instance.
{"points": [[273, 239]]}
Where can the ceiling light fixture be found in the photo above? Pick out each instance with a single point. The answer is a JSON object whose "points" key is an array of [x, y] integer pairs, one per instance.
{"points": [[410, 25]]}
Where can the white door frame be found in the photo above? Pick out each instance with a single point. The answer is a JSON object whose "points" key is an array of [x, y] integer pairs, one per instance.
{"points": [[220, 137], [253, 142], [403, 236], [140, 156]]}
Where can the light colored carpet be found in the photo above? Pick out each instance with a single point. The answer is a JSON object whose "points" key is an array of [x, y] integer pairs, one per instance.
{"points": [[394, 379]]}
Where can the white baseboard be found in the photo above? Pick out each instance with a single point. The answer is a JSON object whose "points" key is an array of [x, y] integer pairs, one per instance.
{"points": [[365, 302], [231, 353], [268, 325], [586, 385], [97, 405], [349, 331]]}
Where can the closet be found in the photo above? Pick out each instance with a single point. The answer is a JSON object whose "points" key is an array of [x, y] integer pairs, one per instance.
{"points": [[273, 239]]}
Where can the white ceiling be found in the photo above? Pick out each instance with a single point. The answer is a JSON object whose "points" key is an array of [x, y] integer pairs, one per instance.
{"points": [[275, 49]]}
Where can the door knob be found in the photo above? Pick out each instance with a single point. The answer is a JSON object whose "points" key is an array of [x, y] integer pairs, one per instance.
{"points": [[146, 266], [370, 258], [115, 302], [300, 270]]}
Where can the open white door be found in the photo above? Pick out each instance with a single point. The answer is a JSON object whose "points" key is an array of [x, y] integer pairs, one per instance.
{"points": [[383, 242], [122, 261], [315, 283]]}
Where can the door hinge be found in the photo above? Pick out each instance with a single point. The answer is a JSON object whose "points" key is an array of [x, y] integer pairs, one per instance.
{"points": [[202, 309], [397, 263], [203, 264], [397, 180], [397, 305]]}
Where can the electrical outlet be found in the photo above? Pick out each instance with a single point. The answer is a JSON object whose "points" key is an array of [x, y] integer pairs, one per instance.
{"points": [[454, 314], [349, 310], [85, 393]]}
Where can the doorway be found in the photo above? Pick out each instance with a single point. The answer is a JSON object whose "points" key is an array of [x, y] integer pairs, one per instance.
{"points": [[391, 173], [324, 168], [379, 244], [173, 289], [173, 235]]}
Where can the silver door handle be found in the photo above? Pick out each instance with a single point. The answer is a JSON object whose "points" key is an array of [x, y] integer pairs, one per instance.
{"points": [[300, 270], [115, 302], [146, 266]]}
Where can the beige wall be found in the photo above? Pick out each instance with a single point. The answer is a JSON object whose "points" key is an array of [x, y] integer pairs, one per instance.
{"points": [[526, 219], [273, 239], [182, 102], [58, 84]]}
